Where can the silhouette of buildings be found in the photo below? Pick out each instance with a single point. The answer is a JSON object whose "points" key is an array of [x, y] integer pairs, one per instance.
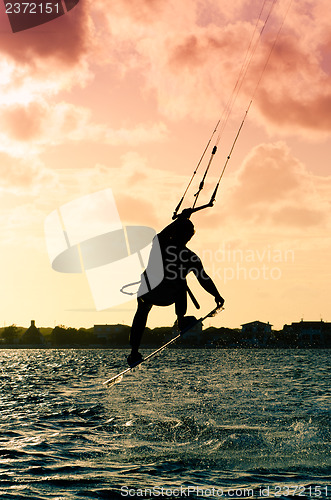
{"points": [[32, 335], [103, 332], [256, 333], [309, 333]]}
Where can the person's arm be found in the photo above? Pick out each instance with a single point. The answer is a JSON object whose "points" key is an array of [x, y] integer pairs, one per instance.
{"points": [[207, 283]]}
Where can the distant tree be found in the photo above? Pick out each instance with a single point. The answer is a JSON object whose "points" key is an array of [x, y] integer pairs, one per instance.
{"points": [[159, 335], [46, 333], [86, 336], [62, 336], [10, 334], [119, 335]]}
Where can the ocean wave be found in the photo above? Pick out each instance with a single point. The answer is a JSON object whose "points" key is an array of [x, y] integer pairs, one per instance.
{"points": [[226, 418]]}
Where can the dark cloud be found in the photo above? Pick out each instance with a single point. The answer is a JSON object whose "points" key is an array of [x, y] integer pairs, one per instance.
{"points": [[295, 91], [311, 113], [206, 46]]}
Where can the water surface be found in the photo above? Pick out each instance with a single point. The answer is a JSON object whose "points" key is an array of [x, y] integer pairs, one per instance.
{"points": [[231, 423]]}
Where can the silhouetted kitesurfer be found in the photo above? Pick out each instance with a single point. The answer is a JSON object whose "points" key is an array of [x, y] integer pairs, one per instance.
{"points": [[177, 261]]}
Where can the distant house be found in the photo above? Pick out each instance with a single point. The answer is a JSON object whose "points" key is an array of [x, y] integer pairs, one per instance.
{"points": [[112, 334], [309, 333], [32, 335], [103, 331], [256, 332]]}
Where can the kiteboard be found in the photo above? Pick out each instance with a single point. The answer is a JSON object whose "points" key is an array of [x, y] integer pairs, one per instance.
{"points": [[115, 380]]}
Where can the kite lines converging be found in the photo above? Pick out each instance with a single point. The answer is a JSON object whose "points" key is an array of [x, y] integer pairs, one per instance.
{"points": [[221, 124]]}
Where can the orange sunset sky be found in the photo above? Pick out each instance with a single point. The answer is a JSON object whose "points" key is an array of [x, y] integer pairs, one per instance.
{"points": [[125, 94]]}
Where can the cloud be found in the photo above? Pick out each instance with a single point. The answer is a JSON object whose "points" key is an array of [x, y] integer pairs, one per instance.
{"points": [[38, 63], [133, 210], [192, 57], [298, 100], [293, 95], [188, 57], [34, 126], [143, 11], [23, 176], [144, 195], [269, 174], [22, 228], [23, 123], [273, 188], [298, 216], [139, 134], [297, 114]]}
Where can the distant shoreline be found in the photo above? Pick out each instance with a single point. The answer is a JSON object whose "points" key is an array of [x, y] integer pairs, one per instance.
{"points": [[149, 347], [254, 335]]}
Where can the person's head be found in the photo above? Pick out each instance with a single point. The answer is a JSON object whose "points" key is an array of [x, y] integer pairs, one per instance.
{"points": [[184, 231]]}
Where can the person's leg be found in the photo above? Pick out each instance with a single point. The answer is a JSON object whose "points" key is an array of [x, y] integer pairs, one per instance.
{"points": [[139, 323], [181, 307]]}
